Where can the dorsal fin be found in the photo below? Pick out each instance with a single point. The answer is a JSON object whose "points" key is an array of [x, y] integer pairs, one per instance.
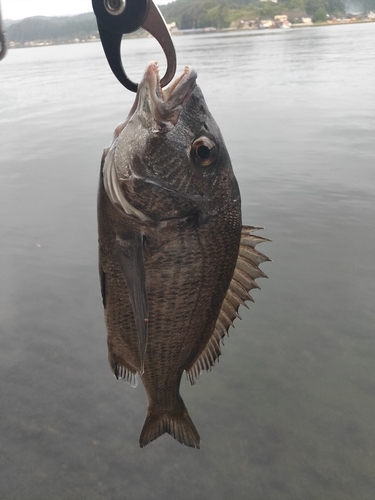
{"points": [[242, 282]]}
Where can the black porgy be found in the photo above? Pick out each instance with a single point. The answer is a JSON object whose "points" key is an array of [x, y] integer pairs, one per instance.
{"points": [[175, 261]]}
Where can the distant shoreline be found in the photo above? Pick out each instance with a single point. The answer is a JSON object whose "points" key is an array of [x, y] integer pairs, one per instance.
{"points": [[46, 43]]}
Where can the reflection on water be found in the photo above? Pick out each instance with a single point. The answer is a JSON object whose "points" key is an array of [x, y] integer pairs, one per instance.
{"points": [[288, 411]]}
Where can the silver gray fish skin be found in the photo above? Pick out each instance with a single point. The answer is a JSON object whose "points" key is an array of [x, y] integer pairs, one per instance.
{"points": [[171, 267]]}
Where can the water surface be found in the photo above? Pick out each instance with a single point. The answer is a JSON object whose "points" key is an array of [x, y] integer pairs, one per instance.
{"points": [[288, 413]]}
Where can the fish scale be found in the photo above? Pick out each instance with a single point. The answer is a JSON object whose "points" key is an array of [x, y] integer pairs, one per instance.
{"points": [[175, 262]]}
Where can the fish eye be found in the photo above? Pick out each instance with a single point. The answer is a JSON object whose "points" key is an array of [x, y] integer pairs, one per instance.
{"points": [[203, 151]]}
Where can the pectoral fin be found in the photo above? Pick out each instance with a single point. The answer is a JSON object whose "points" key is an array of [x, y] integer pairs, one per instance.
{"points": [[243, 281], [130, 258], [102, 284]]}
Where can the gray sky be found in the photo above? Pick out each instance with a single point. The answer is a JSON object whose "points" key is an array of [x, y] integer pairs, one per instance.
{"points": [[18, 9]]}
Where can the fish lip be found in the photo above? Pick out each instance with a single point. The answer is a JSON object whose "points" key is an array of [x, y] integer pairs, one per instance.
{"points": [[179, 89], [166, 104]]}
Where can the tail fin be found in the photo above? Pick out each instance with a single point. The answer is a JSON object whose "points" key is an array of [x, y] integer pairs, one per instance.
{"points": [[176, 422]]}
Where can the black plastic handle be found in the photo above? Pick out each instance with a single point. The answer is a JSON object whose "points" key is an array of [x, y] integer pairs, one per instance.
{"points": [[117, 17]]}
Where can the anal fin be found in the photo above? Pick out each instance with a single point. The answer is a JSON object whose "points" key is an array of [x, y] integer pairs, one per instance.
{"points": [[122, 372]]}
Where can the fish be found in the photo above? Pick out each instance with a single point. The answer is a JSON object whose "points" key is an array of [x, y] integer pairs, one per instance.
{"points": [[175, 261]]}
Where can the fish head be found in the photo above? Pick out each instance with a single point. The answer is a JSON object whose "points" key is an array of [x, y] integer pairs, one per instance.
{"points": [[168, 159]]}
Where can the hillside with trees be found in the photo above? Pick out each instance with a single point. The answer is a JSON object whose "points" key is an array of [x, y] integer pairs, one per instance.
{"points": [[189, 14], [56, 29]]}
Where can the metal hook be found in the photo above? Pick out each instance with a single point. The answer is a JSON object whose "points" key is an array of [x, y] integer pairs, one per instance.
{"points": [[3, 45], [155, 25], [117, 17]]}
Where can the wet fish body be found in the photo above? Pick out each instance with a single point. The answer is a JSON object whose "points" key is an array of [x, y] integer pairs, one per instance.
{"points": [[175, 261]]}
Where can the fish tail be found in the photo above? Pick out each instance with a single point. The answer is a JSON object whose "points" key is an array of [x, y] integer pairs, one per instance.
{"points": [[175, 422]]}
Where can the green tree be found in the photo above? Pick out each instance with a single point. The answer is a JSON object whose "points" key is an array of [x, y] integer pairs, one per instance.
{"points": [[320, 15], [335, 6], [312, 6], [219, 16], [296, 4], [267, 10]]}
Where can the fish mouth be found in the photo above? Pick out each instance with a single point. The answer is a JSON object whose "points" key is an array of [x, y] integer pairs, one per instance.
{"points": [[177, 92], [162, 105], [166, 104]]}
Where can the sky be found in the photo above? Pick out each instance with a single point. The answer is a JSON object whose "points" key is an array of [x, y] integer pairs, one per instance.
{"points": [[19, 9]]}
